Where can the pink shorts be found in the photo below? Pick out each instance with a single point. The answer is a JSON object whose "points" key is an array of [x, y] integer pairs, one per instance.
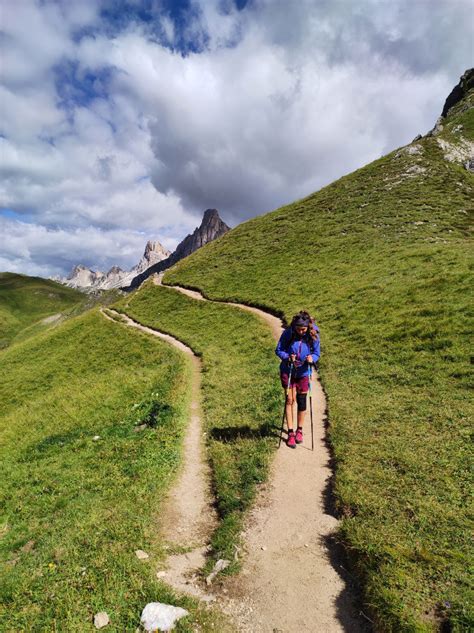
{"points": [[301, 383]]}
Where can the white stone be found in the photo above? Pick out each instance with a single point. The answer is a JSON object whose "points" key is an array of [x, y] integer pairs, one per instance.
{"points": [[157, 616], [221, 564], [141, 555], [160, 574], [101, 619]]}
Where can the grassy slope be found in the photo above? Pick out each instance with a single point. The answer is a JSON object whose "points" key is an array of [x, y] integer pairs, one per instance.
{"points": [[240, 397], [382, 258], [74, 509], [26, 300]]}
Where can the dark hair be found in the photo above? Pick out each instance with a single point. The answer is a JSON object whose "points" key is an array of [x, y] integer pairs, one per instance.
{"points": [[311, 332]]}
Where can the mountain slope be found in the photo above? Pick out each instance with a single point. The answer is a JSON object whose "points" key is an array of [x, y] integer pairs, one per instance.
{"points": [[382, 258], [25, 300]]}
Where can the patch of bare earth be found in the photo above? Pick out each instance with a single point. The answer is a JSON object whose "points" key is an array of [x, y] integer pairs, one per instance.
{"points": [[292, 579], [52, 318]]}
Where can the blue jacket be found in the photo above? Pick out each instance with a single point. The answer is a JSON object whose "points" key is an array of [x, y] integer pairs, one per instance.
{"points": [[300, 348]]}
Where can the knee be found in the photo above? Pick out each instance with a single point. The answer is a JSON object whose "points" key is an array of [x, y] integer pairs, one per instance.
{"points": [[301, 401], [290, 399]]}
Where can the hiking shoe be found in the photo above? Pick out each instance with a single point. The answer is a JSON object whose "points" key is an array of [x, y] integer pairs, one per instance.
{"points": [[291, 442], [299, 436]]}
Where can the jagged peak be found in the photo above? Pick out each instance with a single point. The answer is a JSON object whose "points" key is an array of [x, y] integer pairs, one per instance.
{"points": [[154, 246], [209, 214], [115, 269]]}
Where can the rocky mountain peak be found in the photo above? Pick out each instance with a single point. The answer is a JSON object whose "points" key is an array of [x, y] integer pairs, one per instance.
{"points": [[78, 268], [209, 216], [210, 229], [154, 251]]}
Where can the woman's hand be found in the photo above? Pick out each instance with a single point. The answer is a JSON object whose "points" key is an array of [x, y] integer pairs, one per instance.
{"points": [[292, 358], [309, 359]]}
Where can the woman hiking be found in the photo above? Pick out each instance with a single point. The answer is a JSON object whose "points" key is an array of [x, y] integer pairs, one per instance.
{"points": [[298, 347]]}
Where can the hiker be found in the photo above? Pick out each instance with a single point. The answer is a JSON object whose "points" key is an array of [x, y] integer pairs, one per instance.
{"points": [[298, 347]]}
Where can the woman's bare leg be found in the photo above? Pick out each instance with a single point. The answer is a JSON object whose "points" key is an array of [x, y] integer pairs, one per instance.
{"points": [[289, 407]]}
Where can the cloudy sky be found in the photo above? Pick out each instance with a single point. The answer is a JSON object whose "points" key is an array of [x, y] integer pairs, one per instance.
{"points": [[123, 120]]}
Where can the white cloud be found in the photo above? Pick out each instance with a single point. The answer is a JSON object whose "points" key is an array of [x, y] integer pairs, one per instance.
{"points": [[117, 133]]}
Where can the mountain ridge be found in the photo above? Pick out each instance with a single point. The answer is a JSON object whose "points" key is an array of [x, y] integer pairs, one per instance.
{"points": [[84, 278], [155, 259]]}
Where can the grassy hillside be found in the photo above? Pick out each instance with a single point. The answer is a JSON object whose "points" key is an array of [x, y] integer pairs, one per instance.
{"points": [[382, 258], [28, 300], [81, 486]]}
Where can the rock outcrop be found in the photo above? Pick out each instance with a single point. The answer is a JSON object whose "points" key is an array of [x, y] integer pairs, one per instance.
{"points": [[459, 91], [459, 94], [211, 228]]}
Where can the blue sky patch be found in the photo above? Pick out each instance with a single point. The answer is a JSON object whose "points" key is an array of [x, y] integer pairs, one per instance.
{"points": [[76, 87]]}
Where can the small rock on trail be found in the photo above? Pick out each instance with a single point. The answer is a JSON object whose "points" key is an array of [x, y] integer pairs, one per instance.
{"points": [[221, 564]]}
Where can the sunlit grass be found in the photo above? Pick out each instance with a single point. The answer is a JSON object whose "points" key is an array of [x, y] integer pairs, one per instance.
{"points": [[26, 300], [82, 489]]}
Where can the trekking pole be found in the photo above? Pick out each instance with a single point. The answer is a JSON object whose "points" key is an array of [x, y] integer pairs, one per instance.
{"points": [[284, 406], [311, 405]]}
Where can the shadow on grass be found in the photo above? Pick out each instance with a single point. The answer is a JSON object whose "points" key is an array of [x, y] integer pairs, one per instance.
{"points": [[228, 434], [52, 443], [349, 602]]}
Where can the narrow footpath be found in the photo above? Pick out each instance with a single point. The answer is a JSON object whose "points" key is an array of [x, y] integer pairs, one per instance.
{"points": [[291, 580], [188, 517]]}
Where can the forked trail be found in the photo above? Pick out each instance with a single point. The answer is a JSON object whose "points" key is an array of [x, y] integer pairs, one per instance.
{"points": [[291, 580]]}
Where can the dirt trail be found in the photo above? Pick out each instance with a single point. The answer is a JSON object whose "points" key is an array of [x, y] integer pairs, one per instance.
{"points": [[188, 516], [291, 579]]}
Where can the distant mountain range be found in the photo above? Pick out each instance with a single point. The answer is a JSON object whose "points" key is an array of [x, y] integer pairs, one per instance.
{"points": [[155, 259]]}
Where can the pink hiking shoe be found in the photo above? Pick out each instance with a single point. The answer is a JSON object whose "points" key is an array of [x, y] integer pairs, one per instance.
{"points": [[299, 435], [291, 442]]}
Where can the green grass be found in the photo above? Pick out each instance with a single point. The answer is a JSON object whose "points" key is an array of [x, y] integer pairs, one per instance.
{"points": [[382, 258], [241, 396], [75, 508], [27, 300]]}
